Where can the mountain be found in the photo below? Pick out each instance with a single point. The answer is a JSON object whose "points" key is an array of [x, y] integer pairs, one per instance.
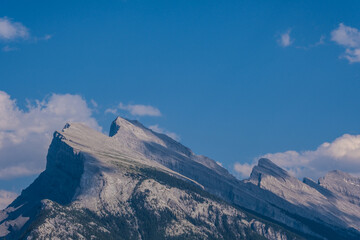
{"points": [[139, 184], [100, 187], [330, 207], [334, 221]]}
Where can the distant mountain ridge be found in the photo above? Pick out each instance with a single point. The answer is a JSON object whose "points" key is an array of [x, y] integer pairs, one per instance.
{"points": [[139, 184]]}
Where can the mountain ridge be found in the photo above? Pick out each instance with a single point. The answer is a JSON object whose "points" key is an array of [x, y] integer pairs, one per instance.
{"points": [[132, 170]]}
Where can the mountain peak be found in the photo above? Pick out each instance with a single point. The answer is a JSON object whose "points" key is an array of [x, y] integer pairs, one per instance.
{"points": [[126, 125], [265, 162], [338, 173], [117, 124], [338, 178], [266, 166], [134, 136]]}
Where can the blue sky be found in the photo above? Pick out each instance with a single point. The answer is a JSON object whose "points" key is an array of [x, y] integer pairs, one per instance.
{"points": [[234, 80]]}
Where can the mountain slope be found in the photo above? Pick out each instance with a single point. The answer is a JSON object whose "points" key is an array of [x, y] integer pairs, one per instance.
{"points": [[343, 185], [99, 187], [320, 203], [273, 196]]}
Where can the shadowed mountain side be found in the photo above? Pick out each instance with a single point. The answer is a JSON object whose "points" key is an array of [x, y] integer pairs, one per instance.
{"points": [[58, 183]]}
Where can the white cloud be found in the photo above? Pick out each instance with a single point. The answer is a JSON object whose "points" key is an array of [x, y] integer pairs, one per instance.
{"points": [[341, 154], [243, 169], [346, 36], [10, 30], [352, 55], [25, 135], [158, 129], [285, 39], [349, 38], [6, 198], [112, 110], [140, 110]]}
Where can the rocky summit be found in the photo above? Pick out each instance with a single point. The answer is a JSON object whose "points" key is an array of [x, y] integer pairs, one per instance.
{"points": [[139, 184]]}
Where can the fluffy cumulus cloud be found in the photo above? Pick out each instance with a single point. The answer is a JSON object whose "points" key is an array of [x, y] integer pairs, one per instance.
{"points": [[285, 39], [25, 135], [341, 154], [136, 110], [6, 198], [10, 30], [349, 38], [158, 129]]}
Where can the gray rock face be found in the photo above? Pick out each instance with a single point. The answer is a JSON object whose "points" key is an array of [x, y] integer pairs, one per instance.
{"points": [[98, 187], [267, 168], [343, 185]]}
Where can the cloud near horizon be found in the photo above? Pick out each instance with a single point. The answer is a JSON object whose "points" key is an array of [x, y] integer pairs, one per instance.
{"points": [[349, 38], [341, 154], [25, 135], [136, 110]]}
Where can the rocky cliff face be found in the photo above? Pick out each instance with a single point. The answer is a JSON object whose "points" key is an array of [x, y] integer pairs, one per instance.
{"points": [[99, 187]]}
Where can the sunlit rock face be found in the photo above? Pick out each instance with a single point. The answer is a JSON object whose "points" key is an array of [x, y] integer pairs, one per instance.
{"points": [[139, 184], [343, 185]]}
